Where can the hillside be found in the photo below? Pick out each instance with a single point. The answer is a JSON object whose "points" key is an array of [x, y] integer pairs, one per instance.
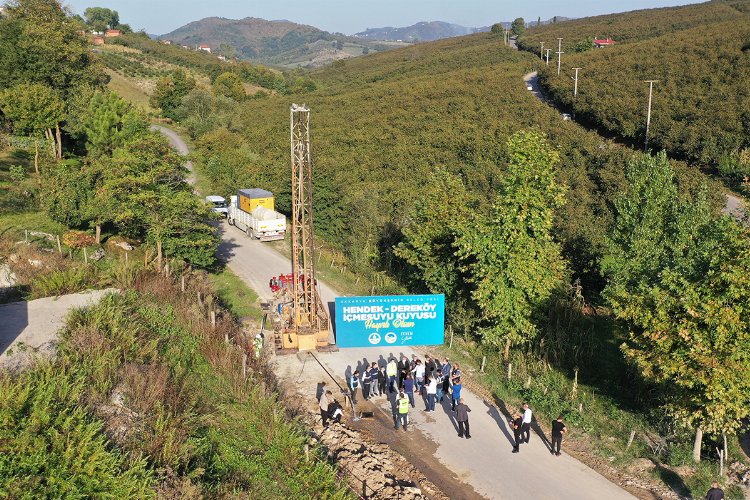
{"points": [[700, 55], [422, 32], [278, 43]]}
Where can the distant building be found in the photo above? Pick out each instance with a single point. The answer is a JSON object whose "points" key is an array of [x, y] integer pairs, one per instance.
{"points": [[605, 42], [184, 46], [112, 33], [204, 48], [165, 42], [221, 58], [98, 40]]}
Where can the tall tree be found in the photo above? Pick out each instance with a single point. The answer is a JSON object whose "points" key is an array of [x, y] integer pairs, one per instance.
{"points": [[34, 108], [39, 43], [514, 264], [229, 85], [518, 26], [170, 90], [100, 18], [679, 277]]}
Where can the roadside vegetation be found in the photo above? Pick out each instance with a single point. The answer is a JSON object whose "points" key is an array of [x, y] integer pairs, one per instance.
{"points": [[145, 399]]}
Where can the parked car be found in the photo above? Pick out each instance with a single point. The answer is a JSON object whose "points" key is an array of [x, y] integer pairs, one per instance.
{"points": [[218, 204]]}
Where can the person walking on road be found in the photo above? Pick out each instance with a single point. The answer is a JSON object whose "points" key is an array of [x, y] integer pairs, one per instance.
{"points": [[323, 404], [353, 385], [431, 390], [374, 379], [715, 493], [558, 429], [462, 417], [516, 422], [391, 370], [402, 405], [409, 388], [526, 426]]}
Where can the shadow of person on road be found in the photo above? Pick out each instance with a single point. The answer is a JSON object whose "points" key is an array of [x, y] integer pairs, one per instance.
{"points": [[382, 362], [501, 420], [540, 432], [393, 400], [446, 406]]}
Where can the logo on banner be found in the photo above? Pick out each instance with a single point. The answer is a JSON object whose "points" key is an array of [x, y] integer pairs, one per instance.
{"points": [[391, 337], [374, 338]]}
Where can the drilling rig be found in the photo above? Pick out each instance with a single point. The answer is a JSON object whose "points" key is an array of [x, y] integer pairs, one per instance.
{"points": [[302, 321]]}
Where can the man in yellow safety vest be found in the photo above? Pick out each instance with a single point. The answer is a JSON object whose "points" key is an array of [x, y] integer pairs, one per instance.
{"points": [[402, 406]]}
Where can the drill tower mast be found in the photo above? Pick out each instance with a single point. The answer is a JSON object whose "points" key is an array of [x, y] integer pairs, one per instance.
{"points": [[307, 316]]}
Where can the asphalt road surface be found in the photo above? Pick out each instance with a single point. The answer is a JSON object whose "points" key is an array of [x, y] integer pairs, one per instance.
{"points": [[485, 462]]}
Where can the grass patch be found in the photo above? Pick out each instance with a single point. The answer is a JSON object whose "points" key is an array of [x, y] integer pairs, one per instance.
{"points": [[130, 91], [235, 295]]}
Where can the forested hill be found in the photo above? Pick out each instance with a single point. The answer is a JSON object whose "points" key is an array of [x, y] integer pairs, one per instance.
{"points": [[700, 55], [423, 31], [383, 124], [279, 43]]}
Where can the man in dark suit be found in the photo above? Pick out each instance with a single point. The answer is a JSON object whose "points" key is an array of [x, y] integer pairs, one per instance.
{"points": [[516, 424]]}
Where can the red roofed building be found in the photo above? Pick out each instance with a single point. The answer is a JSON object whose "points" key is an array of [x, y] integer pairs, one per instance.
{"points": [[204, 48], [111, 33], [605, 42]]}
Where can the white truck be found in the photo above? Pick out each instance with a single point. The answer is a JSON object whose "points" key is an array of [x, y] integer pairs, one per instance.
{"points": [[262, 223], [218, 204]]}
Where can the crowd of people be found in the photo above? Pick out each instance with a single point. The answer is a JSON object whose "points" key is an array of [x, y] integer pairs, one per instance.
{"points": [[433, 381]]}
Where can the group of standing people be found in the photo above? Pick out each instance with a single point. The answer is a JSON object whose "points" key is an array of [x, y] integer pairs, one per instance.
{"points": [[431, 379], [435, 381]]}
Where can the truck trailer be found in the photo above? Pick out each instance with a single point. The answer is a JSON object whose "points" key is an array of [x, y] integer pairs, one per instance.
{"points": [[252, 211]]}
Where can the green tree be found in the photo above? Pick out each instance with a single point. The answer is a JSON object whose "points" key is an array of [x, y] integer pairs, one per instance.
{"points": [[513, 262], [431, 233], [34, 108], [229, 85], [497, 28], [100, 18], [518, 26], [584, 45], [170, 90], [201, 111], [66, 194], [104, 121], [39, 43], [680, 280]]}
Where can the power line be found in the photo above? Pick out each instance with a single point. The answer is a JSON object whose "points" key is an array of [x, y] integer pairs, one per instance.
{"points": [[648, 115]]}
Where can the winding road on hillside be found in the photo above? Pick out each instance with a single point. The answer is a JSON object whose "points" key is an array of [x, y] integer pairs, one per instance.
{"points": [[734, 206], [481, 467]]}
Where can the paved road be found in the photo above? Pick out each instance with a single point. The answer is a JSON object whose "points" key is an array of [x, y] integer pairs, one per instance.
{"points": [[35, 325], [179, 145], [486, 462]]}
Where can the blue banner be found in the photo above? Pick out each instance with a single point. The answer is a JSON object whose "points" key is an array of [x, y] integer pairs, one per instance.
{"points": [[390, 320]]}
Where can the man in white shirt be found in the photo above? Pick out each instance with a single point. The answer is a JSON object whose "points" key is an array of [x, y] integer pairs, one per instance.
{"points": [[526, 425]]}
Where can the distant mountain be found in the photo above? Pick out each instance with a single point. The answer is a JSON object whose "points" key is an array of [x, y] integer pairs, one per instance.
{"points": [[279, 43], [420, 32]]}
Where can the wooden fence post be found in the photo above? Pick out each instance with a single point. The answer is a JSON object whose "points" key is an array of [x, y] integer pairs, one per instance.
{"points": [[574, 392], [510, 370], [450, 344], [213, 319], [484, 360], [244, 366], [126, 257], [59, 246], [630, 439], [182, 283], [85, 256], [26, 235]]}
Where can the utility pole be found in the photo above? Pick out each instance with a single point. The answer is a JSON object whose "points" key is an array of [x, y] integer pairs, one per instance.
{"points": [[541, 52], [648, 115], [575, 85], [547, 50], [559, 54], [507, 36]]}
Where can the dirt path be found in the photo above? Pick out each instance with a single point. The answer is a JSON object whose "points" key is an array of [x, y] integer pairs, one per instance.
{"points": [[30, 328]]}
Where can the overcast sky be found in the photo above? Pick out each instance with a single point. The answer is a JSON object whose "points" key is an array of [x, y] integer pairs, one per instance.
{"points": [[351, 16]]}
